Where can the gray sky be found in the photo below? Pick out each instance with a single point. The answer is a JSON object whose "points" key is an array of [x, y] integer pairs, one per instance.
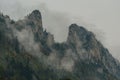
{"points": [[100, 16]]}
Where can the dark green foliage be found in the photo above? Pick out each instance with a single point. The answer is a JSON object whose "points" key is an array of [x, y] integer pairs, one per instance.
{"points": [[12, 22], [2, 20], [18, 64], [24, 67], [19, 27], [60, 47]]}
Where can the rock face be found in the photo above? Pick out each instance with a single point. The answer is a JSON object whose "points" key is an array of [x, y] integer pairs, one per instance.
{"points": [[29, 52]]}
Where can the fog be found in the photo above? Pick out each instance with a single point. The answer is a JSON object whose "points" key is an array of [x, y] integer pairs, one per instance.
{"points": [[102, 17]]}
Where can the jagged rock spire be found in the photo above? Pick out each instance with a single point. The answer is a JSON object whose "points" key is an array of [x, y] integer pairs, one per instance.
{"points": [[34, 20], [80, 32], [35, 15], [81, 57]]}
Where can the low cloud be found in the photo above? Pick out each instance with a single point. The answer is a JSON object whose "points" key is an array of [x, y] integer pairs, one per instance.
{"points": [[26, 39]]}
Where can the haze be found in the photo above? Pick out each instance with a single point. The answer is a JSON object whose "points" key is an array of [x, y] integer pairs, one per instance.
{"points": [[102, 17]]}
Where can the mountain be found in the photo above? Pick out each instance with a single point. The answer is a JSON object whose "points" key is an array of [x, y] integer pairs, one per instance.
{"points": [[29, 52]]}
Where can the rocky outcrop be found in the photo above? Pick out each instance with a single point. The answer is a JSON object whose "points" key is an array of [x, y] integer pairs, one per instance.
{"points": [[29, 52]]}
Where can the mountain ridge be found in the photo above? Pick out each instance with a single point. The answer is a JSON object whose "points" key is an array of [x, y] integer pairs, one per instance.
{"points": [[25, 43]]}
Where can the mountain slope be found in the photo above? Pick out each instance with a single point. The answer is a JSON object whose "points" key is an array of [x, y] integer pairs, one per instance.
{"points": [[29, 52]]}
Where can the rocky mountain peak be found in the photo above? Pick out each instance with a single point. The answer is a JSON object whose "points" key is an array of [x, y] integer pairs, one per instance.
{"points": [[79, 30], [35, 15], [34, 22], [35, 19], [25, 48], [75, 27], [79, 34]]}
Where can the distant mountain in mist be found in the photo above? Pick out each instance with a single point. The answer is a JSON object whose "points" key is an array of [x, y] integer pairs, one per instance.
{"points": [[29, 52]]}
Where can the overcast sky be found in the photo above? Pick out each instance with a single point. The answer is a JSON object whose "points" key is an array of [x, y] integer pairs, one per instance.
{"points": [[102, 15]]}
